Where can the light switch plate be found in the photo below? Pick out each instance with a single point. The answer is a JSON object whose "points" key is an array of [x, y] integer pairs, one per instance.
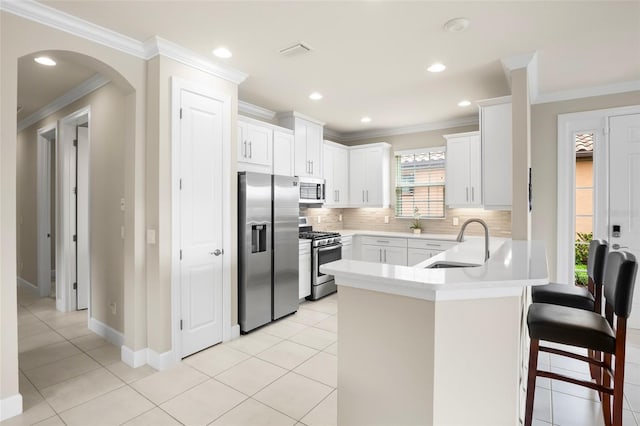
{"points": [[386, 219], [151, 236], [455, 221], [339, 218]]}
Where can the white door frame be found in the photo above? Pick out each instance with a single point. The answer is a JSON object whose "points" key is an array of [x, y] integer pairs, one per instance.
{"points": [[43, 204], [177, 85], [65, 248], [568, 125]]}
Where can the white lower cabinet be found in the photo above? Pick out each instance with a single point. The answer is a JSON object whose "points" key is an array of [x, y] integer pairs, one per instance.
{"points": [[304, 269], [392, 251], [415, 256], [347, 247]]}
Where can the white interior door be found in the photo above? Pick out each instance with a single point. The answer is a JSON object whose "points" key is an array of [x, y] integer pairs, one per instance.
{"points": [[83, 261], [44, 212], [624, 192], [201, 265]]}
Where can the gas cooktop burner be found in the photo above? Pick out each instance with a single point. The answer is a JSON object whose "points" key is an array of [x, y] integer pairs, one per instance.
{"points": [[316, 235]]}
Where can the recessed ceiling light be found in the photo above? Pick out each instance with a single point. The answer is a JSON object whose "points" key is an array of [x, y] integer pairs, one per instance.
{"points": [[366, 119], [457, 25], [222, 52], [464, 103], [45, 60], [437, 67], [315, 96]]}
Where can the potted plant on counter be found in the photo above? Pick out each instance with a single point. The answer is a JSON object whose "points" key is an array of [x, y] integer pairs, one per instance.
{"points": [[416, 225]]}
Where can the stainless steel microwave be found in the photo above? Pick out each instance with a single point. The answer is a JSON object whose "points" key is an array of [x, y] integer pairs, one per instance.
{"points": [[311, 190]]}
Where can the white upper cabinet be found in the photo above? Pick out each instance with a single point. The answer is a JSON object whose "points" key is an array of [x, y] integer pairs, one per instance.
{"points": [[369, 175], [495, 130], [283, 152], [308, 143], [463, 170], [336, 174], [255, 146]]}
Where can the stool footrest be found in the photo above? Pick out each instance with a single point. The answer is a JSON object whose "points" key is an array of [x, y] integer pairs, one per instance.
{"points": [[572, 355], [591, 385]]}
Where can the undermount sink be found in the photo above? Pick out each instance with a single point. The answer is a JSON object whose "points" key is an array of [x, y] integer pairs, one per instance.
{"points": [[444, 264]]}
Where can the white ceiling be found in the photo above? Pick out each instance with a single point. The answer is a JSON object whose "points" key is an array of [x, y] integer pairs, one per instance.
{"points": [[370, 58]]}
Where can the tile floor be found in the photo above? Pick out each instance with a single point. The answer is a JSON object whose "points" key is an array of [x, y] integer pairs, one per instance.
{"points": [[283, 374]]}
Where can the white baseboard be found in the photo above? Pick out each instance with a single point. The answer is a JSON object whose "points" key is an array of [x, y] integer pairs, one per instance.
{"points": [[29, 286], [106, 332], [132, 358], [235, 332], [160, 361], [10, 407]]}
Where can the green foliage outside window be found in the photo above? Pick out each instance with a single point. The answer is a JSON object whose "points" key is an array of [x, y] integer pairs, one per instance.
{"points": [[582, 254]]}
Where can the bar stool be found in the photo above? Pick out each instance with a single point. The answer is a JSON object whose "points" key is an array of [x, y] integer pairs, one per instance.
{"points": [[584, 329], [590, 298]]}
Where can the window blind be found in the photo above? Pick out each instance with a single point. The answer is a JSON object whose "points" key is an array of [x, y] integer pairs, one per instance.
{"points": [[420, 179]]}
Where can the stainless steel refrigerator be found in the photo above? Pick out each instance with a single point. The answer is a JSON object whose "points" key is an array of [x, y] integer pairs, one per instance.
{"points": [[268, 213]]}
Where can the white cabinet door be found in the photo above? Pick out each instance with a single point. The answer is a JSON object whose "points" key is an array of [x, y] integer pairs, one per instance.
{"points": [[336, 174], [495, 129], [304, 274], [347, 248], [395, 256], [415, 256], [369, 175], [357, 177], [255, 146], [314, 149], [308, 148], [463, 170], [372, 253], [302, 167], [283, 153]]}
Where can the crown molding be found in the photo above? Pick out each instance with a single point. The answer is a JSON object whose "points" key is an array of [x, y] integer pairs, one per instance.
{"points": [[54, 18], [331, 134], [567, 95], [525, 60], [159, 46], [255, 111], [296, 114], [426, 127], [83, 89]]}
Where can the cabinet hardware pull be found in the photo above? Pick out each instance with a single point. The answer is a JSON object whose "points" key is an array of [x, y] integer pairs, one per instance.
{"points": [[467, 189], [250, 151], [367, 195], [473, 193], [382, 241], [363, 196], [385, 255], [338, 193], [311, 166], [244, 153]]}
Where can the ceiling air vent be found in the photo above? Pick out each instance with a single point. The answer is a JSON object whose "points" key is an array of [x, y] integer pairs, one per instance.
{"points": [[295, 49]]}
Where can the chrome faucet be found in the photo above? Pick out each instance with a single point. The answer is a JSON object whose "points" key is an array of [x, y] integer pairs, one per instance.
{"points": [[486, 235]]}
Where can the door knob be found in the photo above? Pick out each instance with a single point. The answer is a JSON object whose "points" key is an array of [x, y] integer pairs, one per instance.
{"points": [[217, 252], [618, 246]]}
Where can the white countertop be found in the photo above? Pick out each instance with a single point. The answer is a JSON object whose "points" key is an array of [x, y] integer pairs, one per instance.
{"points": [[352, 232], [512, 265]]}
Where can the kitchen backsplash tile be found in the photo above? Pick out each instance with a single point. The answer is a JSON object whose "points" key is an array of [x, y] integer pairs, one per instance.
{"points": [[373, 219]]}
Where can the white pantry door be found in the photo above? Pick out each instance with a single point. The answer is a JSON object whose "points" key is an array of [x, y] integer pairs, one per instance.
{"points": [[624, 192], [83, 260], [200, 221]]}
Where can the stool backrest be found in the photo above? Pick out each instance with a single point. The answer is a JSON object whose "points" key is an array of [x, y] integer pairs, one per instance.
{"points": [[619, 282], [598, 250]]}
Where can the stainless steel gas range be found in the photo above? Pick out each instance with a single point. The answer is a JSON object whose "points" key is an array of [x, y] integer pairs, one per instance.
{"points": [[325, 247]]}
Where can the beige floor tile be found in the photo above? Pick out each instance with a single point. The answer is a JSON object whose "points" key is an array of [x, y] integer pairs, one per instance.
{"points": [[214, 361], [284, 328], [287, 354], [308, 317], [632, 394], [570, 389], [542, 405], [89, 341], [155, 417], [569, 410], [164, 385], [73, 318], [329, 324], [62, 370], [129, 374], [315, 338], [293, 395], [30, 395], [254, 343], [74, 330], [325, 413], [251, 375], [105, 355], [38, 340], [322, 367], [26, 317], [254, 413], [113, 408], [203, 403], [51, 421], [32, 328], [31, 415], [78, 390], [332, 349], [537, 422], [46, 354], [327, 306]]}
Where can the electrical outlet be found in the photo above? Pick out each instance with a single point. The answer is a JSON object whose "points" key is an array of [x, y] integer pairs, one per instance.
{"points": [[113, 307], [122, 232], [319, 219], [455, 221], [151, 236], [122, 204], [339, 218], [386, 219]]}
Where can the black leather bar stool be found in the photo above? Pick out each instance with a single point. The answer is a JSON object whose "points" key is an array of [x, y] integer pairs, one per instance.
{"points": [[590, 298], [590, 330]]}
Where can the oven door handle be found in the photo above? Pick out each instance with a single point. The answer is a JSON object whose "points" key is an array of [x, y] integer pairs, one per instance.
{"points": [[330, 248]]}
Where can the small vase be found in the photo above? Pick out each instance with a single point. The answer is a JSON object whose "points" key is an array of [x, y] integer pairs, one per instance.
{"points": [[417, 230]]}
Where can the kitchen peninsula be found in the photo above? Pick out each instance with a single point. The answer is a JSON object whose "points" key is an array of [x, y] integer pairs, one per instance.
{"points": [[436, 346]]}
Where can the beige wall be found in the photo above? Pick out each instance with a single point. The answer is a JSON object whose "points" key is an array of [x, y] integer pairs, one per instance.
{"points": [[106, 163], [544, 157]]}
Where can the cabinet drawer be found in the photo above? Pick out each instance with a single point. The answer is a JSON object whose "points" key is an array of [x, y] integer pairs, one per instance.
{"points": [[385, 241], [431, 244]]}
